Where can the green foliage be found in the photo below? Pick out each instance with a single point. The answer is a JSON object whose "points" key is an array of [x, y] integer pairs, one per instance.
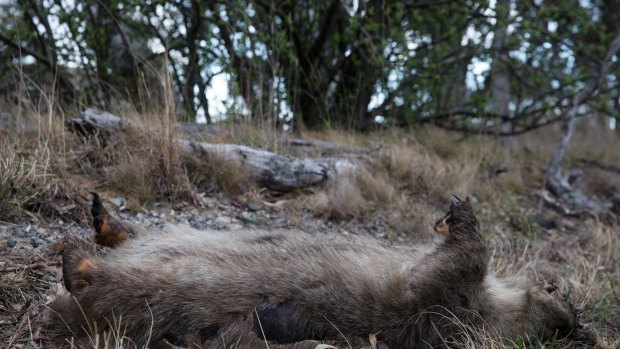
{"points": [[318, 64]]}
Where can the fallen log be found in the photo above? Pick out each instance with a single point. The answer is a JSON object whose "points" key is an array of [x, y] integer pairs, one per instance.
{"points": [[311, 146], [274, 171]]}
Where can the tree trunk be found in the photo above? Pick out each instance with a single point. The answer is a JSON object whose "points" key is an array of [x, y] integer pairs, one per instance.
{"points": [[500, 80]]}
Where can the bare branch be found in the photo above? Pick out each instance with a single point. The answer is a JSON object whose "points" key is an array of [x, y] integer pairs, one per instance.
{"points": [[556, 182]]}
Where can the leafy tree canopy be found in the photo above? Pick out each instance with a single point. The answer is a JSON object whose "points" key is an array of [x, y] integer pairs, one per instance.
{"points": [[502, 66]]}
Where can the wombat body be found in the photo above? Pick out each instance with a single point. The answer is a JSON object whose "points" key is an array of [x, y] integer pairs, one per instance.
{"points": [[242, 288]]}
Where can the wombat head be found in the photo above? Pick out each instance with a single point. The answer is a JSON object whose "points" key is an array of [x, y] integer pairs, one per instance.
{"points": [[461, 213]]}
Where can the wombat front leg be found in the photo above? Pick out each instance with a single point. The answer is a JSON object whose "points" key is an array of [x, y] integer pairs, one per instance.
{"points": [[459, 263]]}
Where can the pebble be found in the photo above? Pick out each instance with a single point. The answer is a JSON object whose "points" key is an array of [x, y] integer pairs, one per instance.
{"points": [[18, 232], [224, 215], [118, 202], [222, 220], [36, 242], [309, 226], [250, 220]]}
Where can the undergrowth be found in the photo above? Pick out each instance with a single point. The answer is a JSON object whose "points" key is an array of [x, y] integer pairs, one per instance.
{"points": [[404, 179]]}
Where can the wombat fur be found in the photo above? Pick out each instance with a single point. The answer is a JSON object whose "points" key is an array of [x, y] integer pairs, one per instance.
{"points": [[240, 289]]}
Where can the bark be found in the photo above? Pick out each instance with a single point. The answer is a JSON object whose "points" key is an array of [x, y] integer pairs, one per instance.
{"points": [[274, 171], [192, 21], [323, 147], [500, 81]]}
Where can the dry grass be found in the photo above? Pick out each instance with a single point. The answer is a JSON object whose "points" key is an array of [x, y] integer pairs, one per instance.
{"points": [[15, 182], [141, 167], [33, 176], [215, 173], [403, 186]]}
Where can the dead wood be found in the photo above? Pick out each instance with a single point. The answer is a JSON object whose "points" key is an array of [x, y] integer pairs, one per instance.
{"points": [[600, 165], [559, 183], [323, 148], [30, 266], [274, 171]]}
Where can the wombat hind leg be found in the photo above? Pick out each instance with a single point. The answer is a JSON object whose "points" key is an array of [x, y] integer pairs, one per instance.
{"points": [[77, 266]]}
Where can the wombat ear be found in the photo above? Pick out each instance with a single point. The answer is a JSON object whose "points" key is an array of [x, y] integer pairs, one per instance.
{"points": [[78, 267], [454, 200]]}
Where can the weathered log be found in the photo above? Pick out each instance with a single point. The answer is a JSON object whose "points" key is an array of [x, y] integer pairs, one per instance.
{"points": [[193, 130], [323, 147], [274, 171], [92, 122]]}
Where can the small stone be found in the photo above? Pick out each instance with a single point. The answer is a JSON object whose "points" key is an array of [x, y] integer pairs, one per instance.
{"points": [[36, 242], [252, 207], [18, 232], [547, 223], [309, 226], [208, 201], [235, 226], [249, 220], [11, 242], [222, 220], [118, 202]]}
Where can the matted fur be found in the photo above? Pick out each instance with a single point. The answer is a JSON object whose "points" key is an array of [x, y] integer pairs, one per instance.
{"points": [[205, 287]]}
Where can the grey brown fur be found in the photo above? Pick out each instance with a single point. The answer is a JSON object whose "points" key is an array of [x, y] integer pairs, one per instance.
{"points": [[208, 287]]}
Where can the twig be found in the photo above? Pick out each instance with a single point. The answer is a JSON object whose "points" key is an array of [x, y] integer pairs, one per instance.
{"points": [[30, 266], [600, 165], [34, 338]]}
